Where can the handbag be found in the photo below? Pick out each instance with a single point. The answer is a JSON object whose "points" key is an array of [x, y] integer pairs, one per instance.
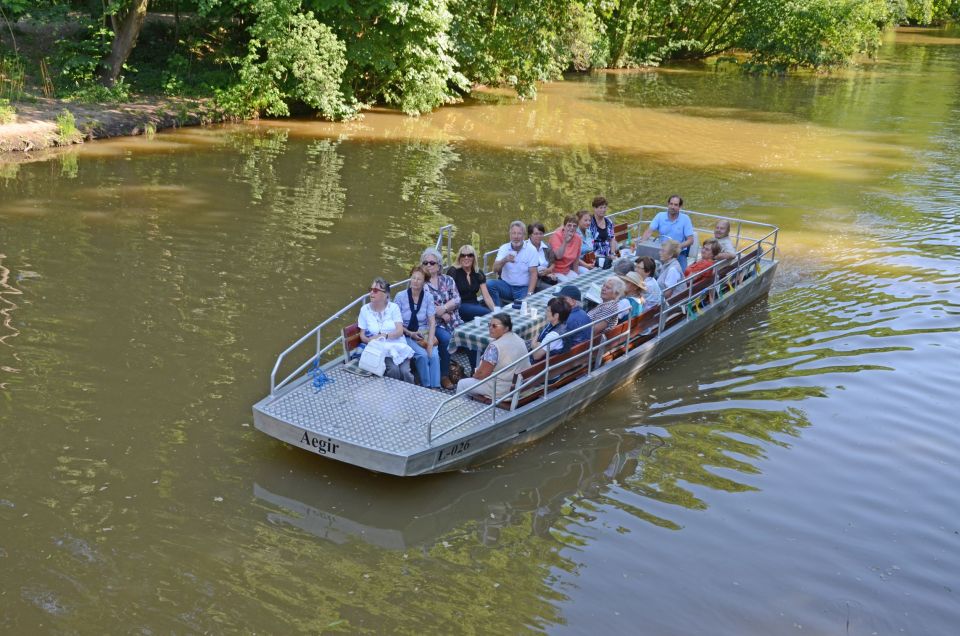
{"points": [[374, 357]]}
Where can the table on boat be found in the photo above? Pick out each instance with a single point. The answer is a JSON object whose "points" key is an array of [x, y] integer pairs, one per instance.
{"points": [[475, 334]]}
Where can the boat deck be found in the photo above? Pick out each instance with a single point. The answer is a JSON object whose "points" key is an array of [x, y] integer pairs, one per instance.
{"points": [[380, 414]]}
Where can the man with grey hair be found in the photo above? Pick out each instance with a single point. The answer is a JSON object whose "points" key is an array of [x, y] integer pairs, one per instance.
{"points": [[516, 264]]}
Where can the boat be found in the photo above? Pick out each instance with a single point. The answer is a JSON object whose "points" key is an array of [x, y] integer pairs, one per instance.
{"points": [[325, 405]]}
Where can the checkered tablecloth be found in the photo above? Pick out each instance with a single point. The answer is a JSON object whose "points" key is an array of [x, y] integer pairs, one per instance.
{"points": [[475, 334]]}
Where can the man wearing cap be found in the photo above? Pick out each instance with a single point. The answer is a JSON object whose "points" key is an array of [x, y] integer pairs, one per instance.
{"points": [[578, 317]]}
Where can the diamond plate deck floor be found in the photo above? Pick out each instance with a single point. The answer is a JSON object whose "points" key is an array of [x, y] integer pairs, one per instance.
{"points": [[376, 413]]}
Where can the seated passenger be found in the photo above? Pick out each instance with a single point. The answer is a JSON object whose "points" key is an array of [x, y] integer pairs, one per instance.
{"points": [[565, 244], [631, 305], [506, 348], [607, 312], [516, 263], [419, 326], [446, 300], [604, 243], [647, 267], [670, 272], [623, 265], [708, 255], [380, 320], [577, 318], [470, 282], [721, 232], [673, 224], [557, 313], [545, 273], [587, 257]]}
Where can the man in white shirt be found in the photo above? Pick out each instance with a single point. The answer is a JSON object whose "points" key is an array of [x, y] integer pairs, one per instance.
{"points": [[516, 264]]}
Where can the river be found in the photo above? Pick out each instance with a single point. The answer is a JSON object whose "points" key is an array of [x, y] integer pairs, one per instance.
{"points": [[793, 471]]}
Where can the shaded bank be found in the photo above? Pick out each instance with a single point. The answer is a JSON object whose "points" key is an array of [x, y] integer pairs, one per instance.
{"points": [[35, 126]]}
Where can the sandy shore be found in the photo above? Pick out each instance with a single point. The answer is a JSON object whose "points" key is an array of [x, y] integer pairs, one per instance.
{"points": [[35, 125]]}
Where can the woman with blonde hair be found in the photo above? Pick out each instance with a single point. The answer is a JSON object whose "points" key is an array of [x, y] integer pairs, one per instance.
{"points": [[471, 282], [670, 271]]}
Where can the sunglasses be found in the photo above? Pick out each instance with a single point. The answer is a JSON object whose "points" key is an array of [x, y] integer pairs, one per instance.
{"points": [[428, 263], [466, 256], [376, 289]]}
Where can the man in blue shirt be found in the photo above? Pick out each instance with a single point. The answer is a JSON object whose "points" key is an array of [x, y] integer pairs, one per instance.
{"points": [[578, 317], [673, 224]]}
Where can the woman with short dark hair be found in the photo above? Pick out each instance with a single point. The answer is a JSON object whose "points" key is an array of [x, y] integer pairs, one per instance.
{"points": [[504, 349]]}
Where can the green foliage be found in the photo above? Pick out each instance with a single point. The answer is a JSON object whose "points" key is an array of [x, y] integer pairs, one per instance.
{"points": [[813, 33], [7, 112], [290, 56], [94, 93], [11, 77], [400, 53], [79, 59], [67, 127]]}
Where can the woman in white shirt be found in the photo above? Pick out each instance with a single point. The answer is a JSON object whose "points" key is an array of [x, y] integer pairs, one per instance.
{"points": [[381, 320], [670, 272]]}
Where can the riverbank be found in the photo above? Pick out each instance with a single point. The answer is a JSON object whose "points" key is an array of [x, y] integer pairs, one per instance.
{"points": [[41, 124]]}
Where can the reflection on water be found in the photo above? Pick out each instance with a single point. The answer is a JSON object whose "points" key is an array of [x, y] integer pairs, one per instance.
{"points": [[786, 470]]}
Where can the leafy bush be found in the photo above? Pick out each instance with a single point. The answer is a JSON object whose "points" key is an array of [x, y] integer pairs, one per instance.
{"points": [[79, 59], [7, 112], [67, 127]]}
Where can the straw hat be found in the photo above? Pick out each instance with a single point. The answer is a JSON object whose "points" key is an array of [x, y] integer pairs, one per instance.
{"points": [[634, 279]]}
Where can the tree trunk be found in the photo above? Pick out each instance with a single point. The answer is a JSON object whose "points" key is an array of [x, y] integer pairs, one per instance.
{"points": [[126, 27]]}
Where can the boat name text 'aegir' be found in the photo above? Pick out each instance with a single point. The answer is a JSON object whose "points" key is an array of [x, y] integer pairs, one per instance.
{"points": [[323, 446]]}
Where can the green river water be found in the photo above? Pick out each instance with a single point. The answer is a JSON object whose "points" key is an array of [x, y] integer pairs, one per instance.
{"points": [[793, 471]]}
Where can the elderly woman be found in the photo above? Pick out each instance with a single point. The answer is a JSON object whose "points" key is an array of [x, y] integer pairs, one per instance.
{"points": [[446, 301], [565, 244], [604, 243], [670, 271], [545, 268], [631, 305], [647, 267], [380, 320], [505, 349], [419, 327], [471, 282], [557, 313], [607, 311]]}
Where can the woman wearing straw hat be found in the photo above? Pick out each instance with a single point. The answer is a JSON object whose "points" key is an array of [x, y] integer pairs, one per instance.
{"points": [[631, 305]]}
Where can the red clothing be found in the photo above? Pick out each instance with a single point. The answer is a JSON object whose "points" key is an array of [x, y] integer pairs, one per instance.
{"points": [[699, 266], [571, 257]]}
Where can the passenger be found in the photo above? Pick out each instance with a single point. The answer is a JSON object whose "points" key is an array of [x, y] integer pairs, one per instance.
{"points": [[380, 319], [505, 349], [587, 256], [557, 313], [608, 311], [577, 318], [647, 267], [675, 225], [721, 232], [631, 305], [545, 266], [670, 272], [708, 256], [516, 264], [565, 244], [446, 300], [471, 281], [622, 266], [420, 326], [604, 242]]}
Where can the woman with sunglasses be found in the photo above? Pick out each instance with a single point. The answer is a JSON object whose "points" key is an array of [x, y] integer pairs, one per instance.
{"points": [[380, 320], [446, 301], [504, 349], [470, 282], [420, 326]]}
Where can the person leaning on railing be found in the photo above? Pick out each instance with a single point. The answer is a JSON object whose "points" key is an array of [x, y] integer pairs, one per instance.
{"points": [[557, 313], [670, 271], [470, 282], [607, 312], [419, 325], [504, 349], [708, 256], [446, 299], [647, 267]]}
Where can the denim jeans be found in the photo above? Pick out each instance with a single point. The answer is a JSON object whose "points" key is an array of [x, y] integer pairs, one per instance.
{"points": [[469, 311], [428, 367], [443, 349], [507, 292], [682, 258]]}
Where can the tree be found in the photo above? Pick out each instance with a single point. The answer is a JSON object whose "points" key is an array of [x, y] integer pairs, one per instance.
{"points": [[126, 19]]}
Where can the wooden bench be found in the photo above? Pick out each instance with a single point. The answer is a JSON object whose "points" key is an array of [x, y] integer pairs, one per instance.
{"points": [[617, 340], [620, 231], [351, 339], [644, 327]]}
